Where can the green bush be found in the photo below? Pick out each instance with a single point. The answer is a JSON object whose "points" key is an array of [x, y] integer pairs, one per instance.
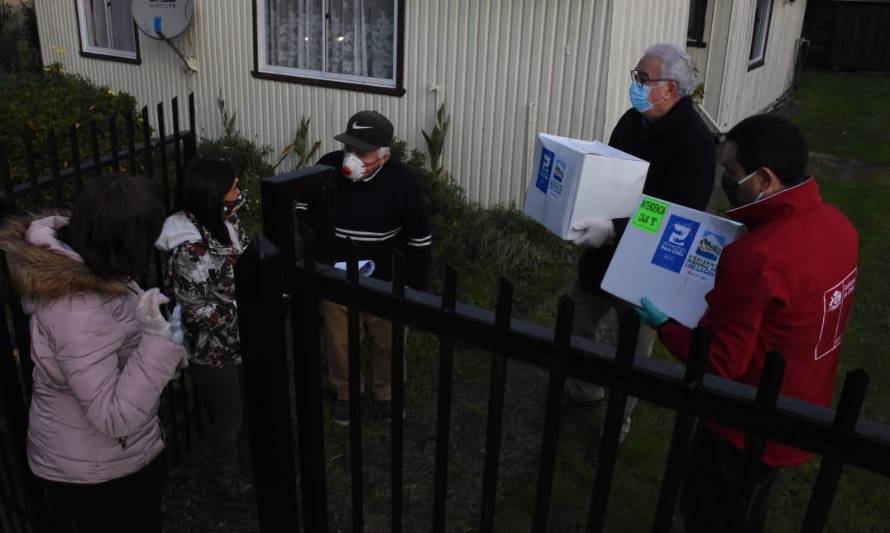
{"points": [[481, 243], [34, 104]]}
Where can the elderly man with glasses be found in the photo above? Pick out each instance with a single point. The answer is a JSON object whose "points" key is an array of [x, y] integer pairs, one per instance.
{"points": [[664, 129]]}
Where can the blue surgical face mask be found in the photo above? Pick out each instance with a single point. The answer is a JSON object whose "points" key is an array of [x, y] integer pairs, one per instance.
{"points": [[639, 97]]}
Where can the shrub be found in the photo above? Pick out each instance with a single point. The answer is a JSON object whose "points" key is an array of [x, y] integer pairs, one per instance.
{"points": [[34, 104], [480, 243]]}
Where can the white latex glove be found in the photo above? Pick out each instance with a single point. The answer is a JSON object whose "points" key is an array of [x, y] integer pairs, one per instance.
{"points": [[148, 310], [178, 336], [595, 232]]}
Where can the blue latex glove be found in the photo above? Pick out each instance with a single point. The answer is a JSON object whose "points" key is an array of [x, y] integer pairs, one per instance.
{"points": [[650, 314]]}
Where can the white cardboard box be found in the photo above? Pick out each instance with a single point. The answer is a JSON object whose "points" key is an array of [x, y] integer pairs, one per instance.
{"points": [[669, 253], [576, 179]]}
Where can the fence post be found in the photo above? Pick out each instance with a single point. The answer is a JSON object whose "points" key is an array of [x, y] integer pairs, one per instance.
{"points": [[13, 417], [261, 322], [767, 396], [31, 162], [6, 182], [52, 155], [306, 323], [494, 426], [179, 164], [846, 416], [443, 404], [190, 145], [629, 329], [562, 336], [681, 440]]}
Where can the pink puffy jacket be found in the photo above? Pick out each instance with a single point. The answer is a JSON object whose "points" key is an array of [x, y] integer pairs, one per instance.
{"points": [[97, 378]]}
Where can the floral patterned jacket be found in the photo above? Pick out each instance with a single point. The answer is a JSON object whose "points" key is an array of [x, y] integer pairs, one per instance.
{"points": [[201, 273]]}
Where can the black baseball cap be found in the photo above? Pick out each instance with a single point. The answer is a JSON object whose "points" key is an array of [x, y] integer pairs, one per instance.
{"points": [[367, 130]]}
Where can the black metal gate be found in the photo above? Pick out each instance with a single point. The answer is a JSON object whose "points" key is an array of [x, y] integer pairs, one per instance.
{"points": [[147, 151], [269, 279]]}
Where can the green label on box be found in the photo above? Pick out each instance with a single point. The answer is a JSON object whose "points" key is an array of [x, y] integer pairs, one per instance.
{"points": [[648, 217]]}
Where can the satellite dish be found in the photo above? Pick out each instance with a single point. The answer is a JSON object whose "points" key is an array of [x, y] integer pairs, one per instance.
{"points": [[163, 19]]}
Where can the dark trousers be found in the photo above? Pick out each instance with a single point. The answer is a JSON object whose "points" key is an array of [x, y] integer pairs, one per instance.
{"points": [[710, 492], [220, 391], [131, 503]]}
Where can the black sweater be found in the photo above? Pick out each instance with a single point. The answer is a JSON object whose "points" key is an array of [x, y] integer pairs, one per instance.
{"points": [[680, 151], [386, 213]]}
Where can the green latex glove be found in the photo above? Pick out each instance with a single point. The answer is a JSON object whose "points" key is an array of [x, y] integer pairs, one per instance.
{"points": [[650, 314]]}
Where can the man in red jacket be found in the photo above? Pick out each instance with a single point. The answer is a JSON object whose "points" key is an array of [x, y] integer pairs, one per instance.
{"points": [[787, 286]]}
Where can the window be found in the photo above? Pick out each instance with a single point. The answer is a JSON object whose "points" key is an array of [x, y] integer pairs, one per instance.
{"points": [[695, 32], [353, 44], [762, 15], [107, 29]]}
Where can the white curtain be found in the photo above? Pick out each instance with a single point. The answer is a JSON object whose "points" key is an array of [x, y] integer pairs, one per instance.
{"points": [[123, 33], [111, 24], [96, 15], [360, 36], [294, 33]]}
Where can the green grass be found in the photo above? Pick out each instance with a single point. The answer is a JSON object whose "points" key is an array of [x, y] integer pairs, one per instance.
{"points": [[847, 114]]}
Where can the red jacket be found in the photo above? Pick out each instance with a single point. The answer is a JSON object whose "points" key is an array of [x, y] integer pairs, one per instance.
{"points": [[786, 285]]}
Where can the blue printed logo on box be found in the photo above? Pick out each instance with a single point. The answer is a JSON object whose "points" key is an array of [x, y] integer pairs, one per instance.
{"points": [[676, 241], [711, 245], [544, 170]]}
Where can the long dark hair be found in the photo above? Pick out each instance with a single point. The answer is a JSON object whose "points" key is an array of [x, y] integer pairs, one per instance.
{"points": [[114, 224], [206, 183]]}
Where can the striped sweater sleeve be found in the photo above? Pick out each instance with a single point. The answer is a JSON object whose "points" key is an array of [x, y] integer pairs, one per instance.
{"points": [[419, 238]]}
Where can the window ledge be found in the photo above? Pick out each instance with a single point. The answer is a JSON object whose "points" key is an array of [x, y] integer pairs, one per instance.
{"points": [[334, 84], [110, 57], [753, 65], [697, 44]]}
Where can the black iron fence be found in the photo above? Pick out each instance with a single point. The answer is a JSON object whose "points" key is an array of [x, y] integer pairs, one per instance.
{"points": [[270, 280], [148, 151]]}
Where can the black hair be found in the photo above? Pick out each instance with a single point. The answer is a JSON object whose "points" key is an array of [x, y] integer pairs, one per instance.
{"points": [[114, 224], [206, 183], [773, 142]]}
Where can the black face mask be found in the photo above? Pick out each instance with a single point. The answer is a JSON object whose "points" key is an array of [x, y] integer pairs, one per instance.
{"points": [[731, 188]]}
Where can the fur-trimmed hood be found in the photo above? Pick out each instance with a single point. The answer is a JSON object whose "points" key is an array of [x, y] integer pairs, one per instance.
{"points": [[42, 267]]}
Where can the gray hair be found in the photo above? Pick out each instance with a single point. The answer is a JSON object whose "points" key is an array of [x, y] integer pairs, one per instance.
{"points": [[675, 65]]}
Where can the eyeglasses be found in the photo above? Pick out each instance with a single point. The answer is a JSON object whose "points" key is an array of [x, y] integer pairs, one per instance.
{"points": [[641, 78]]}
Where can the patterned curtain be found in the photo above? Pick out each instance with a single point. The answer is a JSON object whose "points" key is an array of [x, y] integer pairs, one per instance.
{"points": [[360, 36], [294, 33]]}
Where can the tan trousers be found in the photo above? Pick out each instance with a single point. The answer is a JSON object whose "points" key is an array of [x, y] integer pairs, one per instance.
{"points": [[590, 309], [373, 328]]}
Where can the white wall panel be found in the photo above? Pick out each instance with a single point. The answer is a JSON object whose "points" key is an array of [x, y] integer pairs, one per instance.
{"points": [[635, 26], [746, 92], [506, 69]]}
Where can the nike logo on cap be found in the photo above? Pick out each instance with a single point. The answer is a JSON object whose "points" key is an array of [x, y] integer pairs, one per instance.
{"points": [[357, 126]]}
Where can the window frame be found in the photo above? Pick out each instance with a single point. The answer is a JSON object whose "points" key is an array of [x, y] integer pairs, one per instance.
{"points": [[97, 52], [262, 70], [767, 17], [698, 41]]}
